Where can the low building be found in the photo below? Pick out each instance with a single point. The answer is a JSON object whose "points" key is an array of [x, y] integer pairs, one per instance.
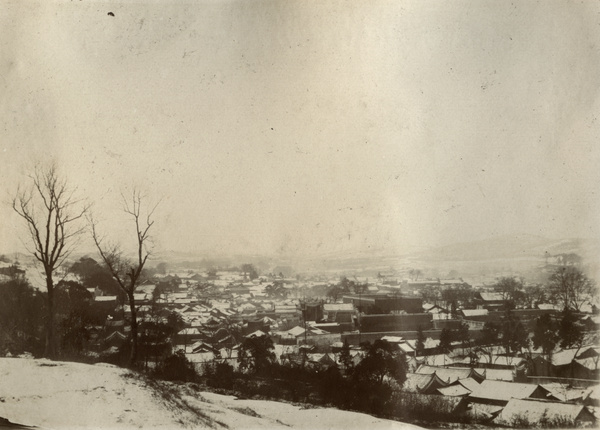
{"points": [[394, 323], [423, 383], [452, 374], [385, 303], [523, 412], [500, 392]]}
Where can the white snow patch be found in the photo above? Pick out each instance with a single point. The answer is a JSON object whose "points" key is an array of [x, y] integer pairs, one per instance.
{"points": [[63, 395]]}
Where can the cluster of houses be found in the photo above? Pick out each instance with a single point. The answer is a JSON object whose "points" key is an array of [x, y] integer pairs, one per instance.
{"points": [[487, 396], [311, 329]]}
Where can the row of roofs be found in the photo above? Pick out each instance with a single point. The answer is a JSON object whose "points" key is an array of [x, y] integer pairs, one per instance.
{"points": [[502, 402]]}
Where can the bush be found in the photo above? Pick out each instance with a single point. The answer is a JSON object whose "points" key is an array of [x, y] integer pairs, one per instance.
{"points": [[219, 375], [176, 368], [428, 408]]}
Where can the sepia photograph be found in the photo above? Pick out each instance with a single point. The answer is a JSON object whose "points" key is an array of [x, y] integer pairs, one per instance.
{"points": [[295, 214]]}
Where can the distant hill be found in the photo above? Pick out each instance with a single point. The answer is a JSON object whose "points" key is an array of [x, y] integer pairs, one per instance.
{"points": [[511, 247], [518, 254]]}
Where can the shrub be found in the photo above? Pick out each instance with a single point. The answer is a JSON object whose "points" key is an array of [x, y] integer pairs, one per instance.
{"points": [[220, 375], [176, 368]]}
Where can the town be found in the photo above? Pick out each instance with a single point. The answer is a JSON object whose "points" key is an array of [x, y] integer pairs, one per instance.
{"points": [[280, 214], [506, 353]]}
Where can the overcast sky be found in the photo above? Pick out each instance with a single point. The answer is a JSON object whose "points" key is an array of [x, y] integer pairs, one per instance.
{"points": [[288, 127]]}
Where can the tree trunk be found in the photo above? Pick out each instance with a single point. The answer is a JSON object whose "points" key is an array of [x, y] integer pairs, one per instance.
{"points": [[50, 347], [134, 330]]}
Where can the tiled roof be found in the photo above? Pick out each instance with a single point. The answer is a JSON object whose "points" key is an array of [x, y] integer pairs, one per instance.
{"points": [[534, 410], [504, 391], [449, 374], [453, 391], [419, 383]]}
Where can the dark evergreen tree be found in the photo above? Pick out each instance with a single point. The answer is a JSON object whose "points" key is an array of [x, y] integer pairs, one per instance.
{"points": [[545, 335], [490, 334], [462, 334], [420, 344], [514, 335], [256, 354], [569, 330], [345, 358], [446, 338]]}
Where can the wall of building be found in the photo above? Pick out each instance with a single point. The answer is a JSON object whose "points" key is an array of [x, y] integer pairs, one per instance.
{"points": [[388, 322]]}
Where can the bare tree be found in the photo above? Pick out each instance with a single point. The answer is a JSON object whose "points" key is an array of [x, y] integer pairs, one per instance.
{"points": [[125, 271], [52, 213], [571, 287], [509, 289]]}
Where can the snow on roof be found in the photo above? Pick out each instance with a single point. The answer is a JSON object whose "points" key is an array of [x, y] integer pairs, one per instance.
{"points": [[200, 357], [501, 359], [189, 331], [404, 346], [590, 363], [438, 359], [594, 392], [502, 390], [469, 383], [491, 297], [454, 391], [474, 312], [448, 374], [534, 410], [105, 298], [415, 382], [547, 306], [565, 357], [497, 374], [564, 393], [338, 307], [296, 331], [393, 339], [257, 333]]}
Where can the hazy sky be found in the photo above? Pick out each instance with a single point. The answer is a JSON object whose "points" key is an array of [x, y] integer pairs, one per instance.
{"points": [[301, 126]]}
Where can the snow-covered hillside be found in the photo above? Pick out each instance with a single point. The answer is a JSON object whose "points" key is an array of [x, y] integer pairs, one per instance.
{"points": [[59, 395]]}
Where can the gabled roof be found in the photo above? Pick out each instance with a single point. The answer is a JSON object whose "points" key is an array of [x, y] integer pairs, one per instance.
{"points": [[590, 363], [423, 383], [587, 352], [564, 393], [504, 391], [451, 374], [469, 383], [534, 410], [454, 391], [115, 334], [565, 357], [257, 333], [198, 347]]}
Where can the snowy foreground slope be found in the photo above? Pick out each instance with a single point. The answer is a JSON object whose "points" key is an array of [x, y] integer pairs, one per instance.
{"points": [[58, 395]]}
